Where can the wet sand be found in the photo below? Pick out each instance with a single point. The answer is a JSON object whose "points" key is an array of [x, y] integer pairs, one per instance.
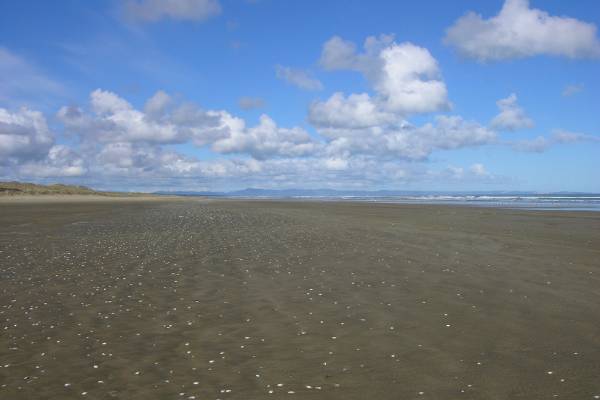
{"points": [[196, 299]]}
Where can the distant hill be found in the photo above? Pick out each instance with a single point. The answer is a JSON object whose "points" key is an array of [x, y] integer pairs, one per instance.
{"points": [[33, 189]]}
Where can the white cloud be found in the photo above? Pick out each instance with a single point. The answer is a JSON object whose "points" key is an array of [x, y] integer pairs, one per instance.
{"points": [[24, 135], [520, 31], [476, 173], [453, 132], [453, 172], [511, 117], [266, 140], [336, 163], [144, 162], [122, 137], [61, 161], [563, 136], [571, 90], [340, 54], [478, 170], [251, 103], [27, 147], [155, 10], [405, 77], [359, 172], [157, 104], [540, 144], [115, 120], [406, 80], [120, 144], [298, 78], [125, 155], [408, 142], [357, 111], [106, 103], [409, 80]]}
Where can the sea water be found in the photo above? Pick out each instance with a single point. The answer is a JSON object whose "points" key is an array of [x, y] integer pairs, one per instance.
{"points": [[563, 202]]}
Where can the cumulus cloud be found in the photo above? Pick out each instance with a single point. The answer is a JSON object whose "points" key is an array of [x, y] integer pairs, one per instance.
{"points": [[511, 117], [61, 161], [351, 112], [150, 162], [155, 10], [24, 135], [340, 54], [106, 103], [27, 147], [114, 120], [407, 142], [266, 140], [452, 132], [125, 156], [409, 80], [157, 104], [251, 103], [298, 78], [520, 31], [406, 78], [142, 160]]}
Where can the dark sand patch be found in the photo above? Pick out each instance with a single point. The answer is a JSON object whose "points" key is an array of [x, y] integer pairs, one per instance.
{"points": [[228, 299]]}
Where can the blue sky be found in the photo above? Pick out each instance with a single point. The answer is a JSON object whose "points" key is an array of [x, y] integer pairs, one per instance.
{"points": [[217, 95]]}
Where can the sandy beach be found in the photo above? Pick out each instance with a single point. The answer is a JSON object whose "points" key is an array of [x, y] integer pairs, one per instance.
{"points": [[215, 299]]}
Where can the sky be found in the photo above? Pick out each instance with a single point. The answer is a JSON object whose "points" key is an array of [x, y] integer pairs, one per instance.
{"points": [[148, 95]]}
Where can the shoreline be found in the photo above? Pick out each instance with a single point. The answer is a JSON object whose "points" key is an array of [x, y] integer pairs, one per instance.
{"points": [[84, 198]]}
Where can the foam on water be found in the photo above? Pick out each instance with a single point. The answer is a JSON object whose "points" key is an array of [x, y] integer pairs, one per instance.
{"points": [[575, 202]]}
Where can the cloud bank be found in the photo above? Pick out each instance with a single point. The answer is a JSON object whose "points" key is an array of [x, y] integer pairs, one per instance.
{"points": [[351, 140], [114, 141]]}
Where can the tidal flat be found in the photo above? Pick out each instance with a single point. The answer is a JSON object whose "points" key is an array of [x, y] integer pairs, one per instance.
{"points": [[224, 299]]}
